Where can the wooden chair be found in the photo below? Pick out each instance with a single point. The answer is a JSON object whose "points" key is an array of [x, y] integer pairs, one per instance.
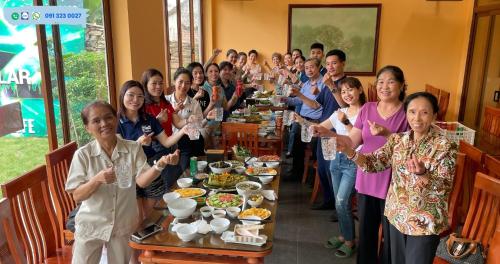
{"points": [[34, 218], [493, 256], [371, 92], [492, 166], [316, 185], [58, 162], [455, 195], [245, 135], [473, 164], [491, 120], [11, 250], [443, 100]]}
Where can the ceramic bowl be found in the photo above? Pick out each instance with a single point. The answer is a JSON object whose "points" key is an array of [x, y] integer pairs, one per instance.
{"points": [[248, 187], [201, 165], [168, 197], [272, 164], [233, 212], [219, 213], [266, 179], [182, 207], [256, 202], [219, 225], [186, 232], [262, 134], [258, 164], [240, 169], [206, 211], [184, 182], [220, 170]]}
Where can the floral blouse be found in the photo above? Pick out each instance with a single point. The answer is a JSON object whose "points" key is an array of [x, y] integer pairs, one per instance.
{"points": [[417, 205]]}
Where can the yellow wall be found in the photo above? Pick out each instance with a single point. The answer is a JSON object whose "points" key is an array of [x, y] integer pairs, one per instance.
{"points": [[137, 30], [427, 39]]}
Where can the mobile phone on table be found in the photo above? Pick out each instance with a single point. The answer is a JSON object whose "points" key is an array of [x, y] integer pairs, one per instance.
{"points": [[147, 232]]}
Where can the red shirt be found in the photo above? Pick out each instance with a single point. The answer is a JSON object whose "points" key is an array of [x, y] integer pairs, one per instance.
{"points": [[154, 109]]}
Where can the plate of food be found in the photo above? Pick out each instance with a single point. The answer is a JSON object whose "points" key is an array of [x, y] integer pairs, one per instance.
{"points": [[191, 192], [255, 171], [266, 158], [235, 163], [224, 200], [224, 181], [262, 213]]}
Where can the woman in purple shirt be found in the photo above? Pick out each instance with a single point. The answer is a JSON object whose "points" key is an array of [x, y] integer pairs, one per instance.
{"points": [[376, 121]]}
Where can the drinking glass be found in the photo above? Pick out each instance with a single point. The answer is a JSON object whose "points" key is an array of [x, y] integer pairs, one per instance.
{"points": [[123, 175], [305, 132], [219, 113], [193, 131], [329, 147]]}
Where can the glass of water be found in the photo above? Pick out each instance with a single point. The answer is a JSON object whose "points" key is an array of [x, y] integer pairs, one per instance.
{"points": [[193, 131], [123, 175], [219, 113], [305, 132], [329, 147]]}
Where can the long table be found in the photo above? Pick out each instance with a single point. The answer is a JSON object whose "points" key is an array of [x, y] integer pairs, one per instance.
{"points": [[166, 247]]}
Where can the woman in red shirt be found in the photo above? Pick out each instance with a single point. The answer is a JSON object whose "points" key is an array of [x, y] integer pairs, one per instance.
{"points": [[155, 102]]}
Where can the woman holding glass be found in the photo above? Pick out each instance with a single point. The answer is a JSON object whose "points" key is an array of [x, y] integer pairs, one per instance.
{"points": [[108, 213], [135, 124], [423, 164]]}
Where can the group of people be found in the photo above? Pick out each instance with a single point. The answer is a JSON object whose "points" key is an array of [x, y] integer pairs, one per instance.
{"points": [[387, 151]]}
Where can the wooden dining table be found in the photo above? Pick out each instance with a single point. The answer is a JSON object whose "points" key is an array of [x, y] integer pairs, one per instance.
{"points": [[488, 143], [166, 247]]}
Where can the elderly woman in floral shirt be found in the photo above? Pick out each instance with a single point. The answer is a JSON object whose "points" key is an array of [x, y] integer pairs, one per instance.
{"points": [[423, 166]]}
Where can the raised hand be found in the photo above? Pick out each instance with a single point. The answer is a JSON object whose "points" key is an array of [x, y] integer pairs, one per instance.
{"points": [[321, 131], [297, 118], [216, 52], [415, 166], [378, 130], [179, 107], [211, 114], [199, 94], [145, 140], [162, 116]]}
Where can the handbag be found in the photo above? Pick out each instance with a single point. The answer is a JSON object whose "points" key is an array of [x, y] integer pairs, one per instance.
{"points": [[457, 250]]}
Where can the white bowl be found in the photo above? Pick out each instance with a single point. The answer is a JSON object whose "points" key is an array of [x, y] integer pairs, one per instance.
{"points": [[233, 212], [184, 182], [182, 207], [168, 197], [240, 169], [206, 211], [220, 170], [258, 164], [201, 165], [272, 164], [257, 202], [219, 225], [242, 189], [186, 232], [219, 213], [262, 134], [266, 179]]}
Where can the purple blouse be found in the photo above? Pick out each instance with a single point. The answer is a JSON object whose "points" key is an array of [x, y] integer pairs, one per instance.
{"points": [[376, 184]]}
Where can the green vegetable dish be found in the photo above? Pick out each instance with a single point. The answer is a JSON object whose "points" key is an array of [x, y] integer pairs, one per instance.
{"points": [[224, 200]]}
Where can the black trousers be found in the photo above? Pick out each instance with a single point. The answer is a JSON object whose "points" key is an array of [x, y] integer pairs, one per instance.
{"points": [[371, 214], [406, 249]]}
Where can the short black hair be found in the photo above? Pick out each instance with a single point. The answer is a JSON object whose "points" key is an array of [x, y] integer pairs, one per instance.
{"points": [[298, 50], [318, 45], [253, 51], [336, 52], [241, 53], [193, 65], [300, 57], [398, 75], [225, 64], [182, 70], [428, 96], [229, 51]]}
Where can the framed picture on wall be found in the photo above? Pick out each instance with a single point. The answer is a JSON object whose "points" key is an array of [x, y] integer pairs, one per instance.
{"points": [[352, 28]]}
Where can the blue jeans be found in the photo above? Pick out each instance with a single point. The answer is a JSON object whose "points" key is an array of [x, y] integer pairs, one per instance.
{"points": [[294, 130], [343, 173]]}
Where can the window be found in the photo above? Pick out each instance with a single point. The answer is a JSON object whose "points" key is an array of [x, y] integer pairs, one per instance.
{"points": [[183, 44]]}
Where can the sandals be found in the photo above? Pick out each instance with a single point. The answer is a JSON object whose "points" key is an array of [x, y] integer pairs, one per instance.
{"points": [[345, 251], [334, 243]]}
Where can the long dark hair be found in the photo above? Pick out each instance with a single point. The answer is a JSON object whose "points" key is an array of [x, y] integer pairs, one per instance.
{"points": [[146, 76], [125, 87]]}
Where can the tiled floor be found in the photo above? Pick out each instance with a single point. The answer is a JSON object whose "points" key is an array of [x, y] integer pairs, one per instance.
{"points": [[300, 231]]}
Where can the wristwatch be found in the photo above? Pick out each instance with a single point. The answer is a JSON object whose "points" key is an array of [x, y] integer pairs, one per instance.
{"points": [[157, 167]]}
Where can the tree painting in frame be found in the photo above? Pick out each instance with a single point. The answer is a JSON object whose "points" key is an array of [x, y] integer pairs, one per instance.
{"points": [[350, 28]]}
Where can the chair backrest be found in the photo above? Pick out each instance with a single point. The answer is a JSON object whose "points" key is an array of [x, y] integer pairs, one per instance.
{"points": [[443, 100], [453, 215], [246, 135], [58, 162], [32, 213], [10, 248], [492, 166], [372, 92], [473, 164], [483, 214], [491, 120], [493, 256]]}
